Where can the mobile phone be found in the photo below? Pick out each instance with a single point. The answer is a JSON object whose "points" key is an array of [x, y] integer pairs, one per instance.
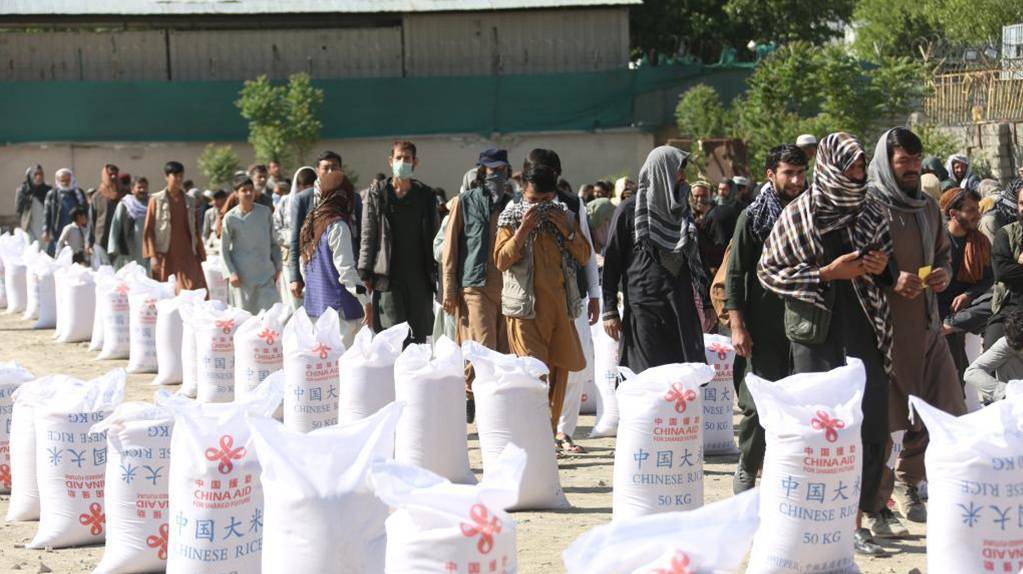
{"points": [[868, 248]]}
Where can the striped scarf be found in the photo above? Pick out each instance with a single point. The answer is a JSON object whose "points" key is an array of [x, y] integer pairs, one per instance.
{"points": [[763, 212], [793, 252], [663, 215]]}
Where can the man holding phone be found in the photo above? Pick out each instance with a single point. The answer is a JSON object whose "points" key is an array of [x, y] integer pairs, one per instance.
{"points": [[921, 362]]}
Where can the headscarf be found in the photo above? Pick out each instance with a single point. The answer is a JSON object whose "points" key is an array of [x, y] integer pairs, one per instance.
{"points": [[765, 210], [600, 211], [663, 215], [37, 192], [621, 184], [951, 172], [977, 252], [794, 251], [108, 185], [1006, 208], [136, 208], [933, 165], [336, 203], [56, 181], [889, 192]]}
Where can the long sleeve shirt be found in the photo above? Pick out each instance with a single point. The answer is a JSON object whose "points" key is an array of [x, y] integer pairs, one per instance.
{"points": [[248, 245], [618, 256], [340, 241]]}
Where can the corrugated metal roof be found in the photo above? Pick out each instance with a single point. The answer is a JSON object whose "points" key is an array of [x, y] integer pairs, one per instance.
{"points": [[199, 7]]}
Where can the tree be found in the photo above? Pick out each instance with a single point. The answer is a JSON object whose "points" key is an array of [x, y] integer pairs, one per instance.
{"points": [[218, 164], [700, 114], [283, 119], [804, 89], [975, 20], [790, 20], [894, 28]]}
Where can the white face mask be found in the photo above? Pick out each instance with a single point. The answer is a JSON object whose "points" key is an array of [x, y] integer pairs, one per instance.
{"points": [[401, 169]]}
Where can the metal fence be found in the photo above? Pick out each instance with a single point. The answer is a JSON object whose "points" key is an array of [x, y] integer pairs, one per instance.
{"points": [[975, 97]]}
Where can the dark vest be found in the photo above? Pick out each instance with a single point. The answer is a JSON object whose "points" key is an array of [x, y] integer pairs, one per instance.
{"points": [[574, 205], [474, 242], [323, 288]]}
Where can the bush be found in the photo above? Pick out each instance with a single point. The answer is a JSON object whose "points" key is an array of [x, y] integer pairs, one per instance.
{"points": [[699, 114], [218, 164]]}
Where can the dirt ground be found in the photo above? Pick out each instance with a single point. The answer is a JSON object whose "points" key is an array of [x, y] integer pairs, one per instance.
{"points": [[586, 479]]}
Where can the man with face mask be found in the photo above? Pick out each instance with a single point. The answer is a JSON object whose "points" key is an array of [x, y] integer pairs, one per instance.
{"points": [[472, 282], [31, 197], [921, 362], [756, 316], [396, 262]]}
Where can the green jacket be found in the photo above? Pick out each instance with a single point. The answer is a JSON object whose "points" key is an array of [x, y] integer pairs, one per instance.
{"points": [[762, 310], [474, 242]]}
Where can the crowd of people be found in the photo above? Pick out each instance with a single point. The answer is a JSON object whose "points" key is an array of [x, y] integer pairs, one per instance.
{"points": [[894, 259]]}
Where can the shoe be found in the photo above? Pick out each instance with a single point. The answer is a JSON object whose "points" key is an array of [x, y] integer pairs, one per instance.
{"points": [[885, 524], [908, 500], [470, 411], [864, 544], [743, 480]]}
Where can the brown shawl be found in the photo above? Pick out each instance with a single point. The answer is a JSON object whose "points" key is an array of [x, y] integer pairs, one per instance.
{"points": [[336, 202], [977, 252]]}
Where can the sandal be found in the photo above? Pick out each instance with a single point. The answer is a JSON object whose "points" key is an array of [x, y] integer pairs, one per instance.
{"points": [[567, 446]]}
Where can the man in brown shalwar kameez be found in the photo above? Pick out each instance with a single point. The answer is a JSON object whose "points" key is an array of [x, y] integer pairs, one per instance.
{"points": [[921, 361], [171, 239]]}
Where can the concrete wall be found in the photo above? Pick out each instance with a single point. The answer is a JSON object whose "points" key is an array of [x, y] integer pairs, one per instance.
{"points": [[999, 144], [443, 159]]}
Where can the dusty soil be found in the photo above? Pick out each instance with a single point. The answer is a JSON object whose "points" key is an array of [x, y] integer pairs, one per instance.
{"points": [[586, 478]]}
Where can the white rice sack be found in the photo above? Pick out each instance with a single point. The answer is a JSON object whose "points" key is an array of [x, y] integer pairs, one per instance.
{"points": [[24, 502], [311, 354], [214, 351], [605, 377], [42, 294], [3, 286], [113, 291], [137, 501], [259, 350], [711, 539], [512, 407], [216, 278], [659, 454], [15, 273], [71, 460], [99, 318], [811, 478], [143, 295], [12, 376], [974, 472], [431, 433], [588, 390], [170, 337], [438, 526], [76, 303], [321, 515], [719, 397], [189, 364], [367, 372], [216, 497]]}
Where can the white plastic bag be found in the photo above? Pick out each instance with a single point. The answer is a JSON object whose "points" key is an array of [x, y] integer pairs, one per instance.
{"points": [[76, 303], [719, 397], [71, 460], [438, 526], [137, 501], [189, 361], [41, 303], [143, 295], [711, 539], [512, 407], [12, 376], [605, 377], [258, 347], [15, 274], [431, 433], [170, 337], [216, 278], [100, 303], [321, 515], [311, 354], [113, 291], [810, 489], [367, 372], [659, 454], [214, 351], [216, 497], [24, 501], [974, 473]]}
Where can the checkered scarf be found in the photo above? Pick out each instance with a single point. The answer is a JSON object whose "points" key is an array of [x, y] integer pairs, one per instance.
{"points": [[763, 212], [793, 252]]}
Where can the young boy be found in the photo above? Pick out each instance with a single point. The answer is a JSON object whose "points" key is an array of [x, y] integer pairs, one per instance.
{"points": [[1001, 363], [74, 234]]}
